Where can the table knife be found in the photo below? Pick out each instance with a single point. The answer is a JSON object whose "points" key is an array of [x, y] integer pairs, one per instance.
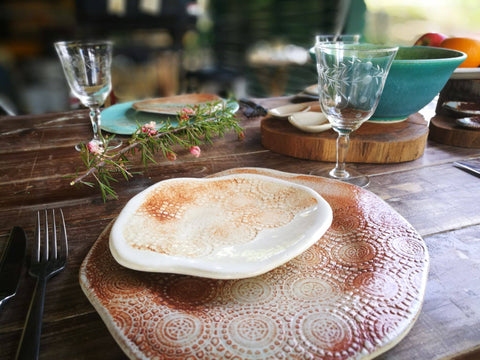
{"points": [[472, 166], [11, 264]]}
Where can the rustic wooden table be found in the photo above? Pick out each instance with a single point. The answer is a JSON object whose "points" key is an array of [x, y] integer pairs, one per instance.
{"points": [[37, 156]]}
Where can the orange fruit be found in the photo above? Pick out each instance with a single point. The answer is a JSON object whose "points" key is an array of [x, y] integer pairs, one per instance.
{"points": [[471, 47]]}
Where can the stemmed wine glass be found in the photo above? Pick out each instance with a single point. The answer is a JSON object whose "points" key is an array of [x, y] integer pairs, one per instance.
{"points": [[350, 81], [87, 67]]}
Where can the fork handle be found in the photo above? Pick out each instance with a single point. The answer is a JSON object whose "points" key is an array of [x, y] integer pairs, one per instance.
{"points": [[30, 341]]}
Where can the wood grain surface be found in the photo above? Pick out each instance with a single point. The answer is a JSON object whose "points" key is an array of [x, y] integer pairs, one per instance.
{"points": [[37, 158], [371, 143]]}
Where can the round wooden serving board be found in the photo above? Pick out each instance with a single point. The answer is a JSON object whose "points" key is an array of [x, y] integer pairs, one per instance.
{"points": [[444, 130], [371, 143]]}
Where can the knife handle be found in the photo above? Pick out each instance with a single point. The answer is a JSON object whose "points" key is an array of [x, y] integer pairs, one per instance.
{"points": [[29, 346]]}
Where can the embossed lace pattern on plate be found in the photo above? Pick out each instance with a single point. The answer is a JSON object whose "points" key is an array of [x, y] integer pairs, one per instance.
{"points": [[195, 219], [352, 295]]}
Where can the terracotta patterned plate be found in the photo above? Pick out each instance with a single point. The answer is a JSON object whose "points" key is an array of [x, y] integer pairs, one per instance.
{"points": [[173, 104], [227, 227], [353, 295]]}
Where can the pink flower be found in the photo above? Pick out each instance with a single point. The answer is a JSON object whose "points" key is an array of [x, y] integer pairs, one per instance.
{"points": [[150, 128], [94, 148], [171, 156], [185, 114], [195, 151]]}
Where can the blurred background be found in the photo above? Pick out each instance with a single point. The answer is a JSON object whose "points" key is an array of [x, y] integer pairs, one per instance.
{"points": [[236, 48]]}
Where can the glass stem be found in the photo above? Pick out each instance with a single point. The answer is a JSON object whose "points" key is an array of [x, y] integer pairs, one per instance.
{"points": [[96, 125], [343, 141]]}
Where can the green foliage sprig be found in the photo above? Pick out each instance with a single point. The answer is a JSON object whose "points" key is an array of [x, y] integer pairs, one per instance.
{"points": [[194, 126]]}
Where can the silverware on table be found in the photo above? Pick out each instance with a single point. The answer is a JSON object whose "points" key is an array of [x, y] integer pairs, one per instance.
{"points": [[48, 259], [472, 166], [252, 109], [11, 264]]}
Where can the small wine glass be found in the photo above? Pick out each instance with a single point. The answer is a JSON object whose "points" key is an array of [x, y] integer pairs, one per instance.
{"points": [[350, 82], [87, 67]]}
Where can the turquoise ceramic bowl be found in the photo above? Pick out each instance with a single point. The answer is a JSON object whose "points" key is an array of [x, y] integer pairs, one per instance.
{"points": [[417, 75]]}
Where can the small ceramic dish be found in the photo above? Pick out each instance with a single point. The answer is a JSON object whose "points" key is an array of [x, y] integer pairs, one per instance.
{"points": [[463, 107], [312, 90], [310, 121], [287, 110], [469, 122]]}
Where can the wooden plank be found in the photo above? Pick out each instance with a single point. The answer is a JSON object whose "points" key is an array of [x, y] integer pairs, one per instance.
{"points": [[433, 199]]}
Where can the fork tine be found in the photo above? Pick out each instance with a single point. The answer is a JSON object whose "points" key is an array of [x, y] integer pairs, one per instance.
{"points": [[36, 248], [63, 232], [54, 235], [45, 248]]}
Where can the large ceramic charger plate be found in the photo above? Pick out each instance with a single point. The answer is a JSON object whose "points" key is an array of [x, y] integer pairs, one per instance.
{"points": [[352, 295], [124, 119], [229, 227]]}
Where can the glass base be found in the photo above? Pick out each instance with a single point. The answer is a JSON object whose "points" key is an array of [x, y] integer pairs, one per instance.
{"points": [[350, 177], [112, 144]]}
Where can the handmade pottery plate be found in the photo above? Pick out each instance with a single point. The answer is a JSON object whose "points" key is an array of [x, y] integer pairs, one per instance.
{"points": [[123, 119], [310, 121], [172, 105], [354, 294], [469, 122], [231, 227], [287, 110], [463, 107]]}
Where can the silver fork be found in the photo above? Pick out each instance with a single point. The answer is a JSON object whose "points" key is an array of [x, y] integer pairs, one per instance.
{"points": [[48, 259]]}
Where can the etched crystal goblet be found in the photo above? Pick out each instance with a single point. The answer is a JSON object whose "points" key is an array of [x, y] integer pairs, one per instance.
{"points": [[87, 68], [350, 82]]}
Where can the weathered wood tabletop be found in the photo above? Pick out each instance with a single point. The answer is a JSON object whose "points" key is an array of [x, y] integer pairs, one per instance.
{"points": [[37, 157]]}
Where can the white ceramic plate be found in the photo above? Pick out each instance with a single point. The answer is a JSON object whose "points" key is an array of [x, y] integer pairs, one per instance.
{"points": [[229, 227], [287, 110], [310, 121]]}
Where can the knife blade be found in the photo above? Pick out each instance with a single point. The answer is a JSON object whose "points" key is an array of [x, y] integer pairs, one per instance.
{"points": [[472, 166], [11, 264]]}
